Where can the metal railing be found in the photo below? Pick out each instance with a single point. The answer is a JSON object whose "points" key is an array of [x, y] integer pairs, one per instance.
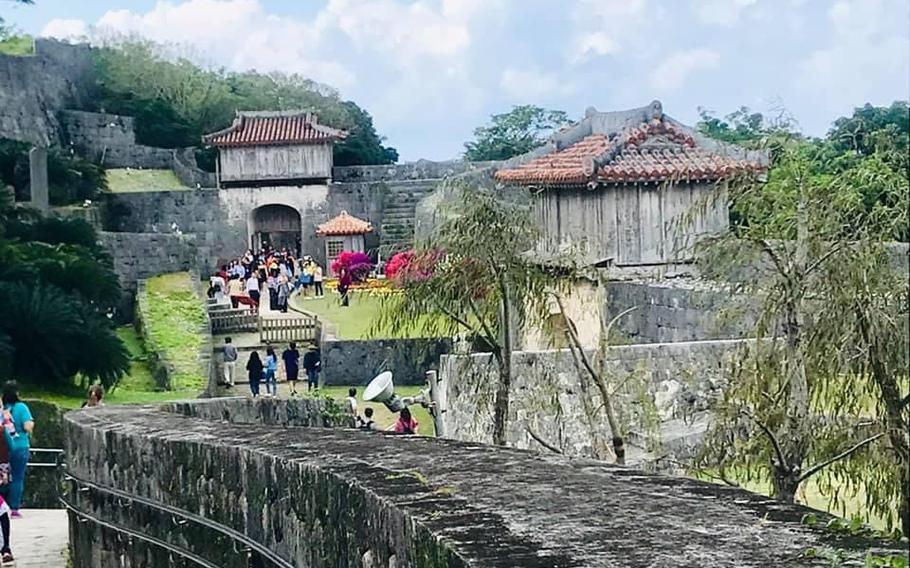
{"points": [[178, 516]]}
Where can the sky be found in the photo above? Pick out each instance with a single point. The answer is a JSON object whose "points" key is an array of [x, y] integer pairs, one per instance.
{"points": [[430, 71]]}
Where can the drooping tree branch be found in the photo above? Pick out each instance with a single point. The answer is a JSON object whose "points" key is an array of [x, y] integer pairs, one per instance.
{"points": [[542, 442], [818, 467], [777, 449]]}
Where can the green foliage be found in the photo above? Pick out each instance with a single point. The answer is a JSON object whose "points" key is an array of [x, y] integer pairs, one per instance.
{"points": [[825, 397], [126, 180], [55, 290], [872, 128], [741, 126], [513, 133], [175, 101], [71, 179], [15, 44]]}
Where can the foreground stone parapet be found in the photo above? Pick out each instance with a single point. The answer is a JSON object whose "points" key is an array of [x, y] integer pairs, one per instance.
{"points": [[328, 497]]}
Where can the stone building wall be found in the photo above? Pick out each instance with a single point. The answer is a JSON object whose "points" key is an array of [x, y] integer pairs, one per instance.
{"points": [[34, 87], [550, 398]]}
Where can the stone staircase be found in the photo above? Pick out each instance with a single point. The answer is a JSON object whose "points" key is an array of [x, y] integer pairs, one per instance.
{"points": [[399, 205]]}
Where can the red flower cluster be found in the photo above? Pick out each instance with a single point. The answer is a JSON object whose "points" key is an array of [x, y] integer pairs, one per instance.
{"points": [[411, 267], [356, 264]]}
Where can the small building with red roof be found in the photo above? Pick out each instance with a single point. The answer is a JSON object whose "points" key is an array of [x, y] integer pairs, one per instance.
{"points": [[628, 188], [274, 148], [344, 232]]}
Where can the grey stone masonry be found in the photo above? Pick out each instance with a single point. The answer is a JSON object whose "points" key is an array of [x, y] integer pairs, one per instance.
{"points": [[329, 497]]}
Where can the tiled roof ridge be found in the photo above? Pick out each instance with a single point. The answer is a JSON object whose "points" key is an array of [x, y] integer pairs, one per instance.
{"points": [[273, 128], [344, 224], [613, 147]]}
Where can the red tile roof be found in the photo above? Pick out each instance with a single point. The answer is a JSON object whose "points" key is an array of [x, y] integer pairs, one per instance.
{"points": [[344, 224], [656, 150], [274, 129]]}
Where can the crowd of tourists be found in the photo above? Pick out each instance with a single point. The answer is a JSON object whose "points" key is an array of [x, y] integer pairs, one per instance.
{"points": [[269, 272]]}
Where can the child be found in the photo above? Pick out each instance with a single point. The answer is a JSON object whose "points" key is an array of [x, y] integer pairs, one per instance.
{"points": [[366, 422], [406, 424], [352, 400]]}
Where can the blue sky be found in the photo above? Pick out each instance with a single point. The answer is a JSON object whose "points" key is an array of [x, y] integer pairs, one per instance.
{"points": [[431, 70]]}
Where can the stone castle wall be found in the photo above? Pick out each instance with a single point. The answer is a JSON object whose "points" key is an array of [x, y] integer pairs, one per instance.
{"points": [[356, 362], [329, 497], [34, 87]]}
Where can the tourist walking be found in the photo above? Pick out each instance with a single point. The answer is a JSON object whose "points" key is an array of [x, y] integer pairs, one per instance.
{"points": [[6, 555], [312, 365], [230, 361], [19, 425], [254, 372], [271, 371], [317, 282], [235, 290], [291, 358], [344, 284], [252, 287], [283, 292]]}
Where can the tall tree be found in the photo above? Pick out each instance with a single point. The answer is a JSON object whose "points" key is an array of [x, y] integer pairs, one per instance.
{"points": [[518, 131], [802, 394], [473, 278]]}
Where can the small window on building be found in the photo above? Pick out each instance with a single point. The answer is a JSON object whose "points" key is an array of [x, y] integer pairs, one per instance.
{"points": [[334, 247]]}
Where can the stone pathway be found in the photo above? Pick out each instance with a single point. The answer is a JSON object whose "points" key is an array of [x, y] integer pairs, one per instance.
{"points": [[40, 538]]}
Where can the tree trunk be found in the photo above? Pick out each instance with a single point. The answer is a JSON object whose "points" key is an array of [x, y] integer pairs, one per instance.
{"points": [[793, 435], [619, 448], [504, 386]]}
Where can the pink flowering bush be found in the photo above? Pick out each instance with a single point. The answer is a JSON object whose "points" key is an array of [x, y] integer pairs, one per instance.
{"points": [[357, 264], [411, 267]]}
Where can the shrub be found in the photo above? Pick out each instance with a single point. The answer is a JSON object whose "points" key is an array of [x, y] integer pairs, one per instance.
{"points": [[357, 264]]}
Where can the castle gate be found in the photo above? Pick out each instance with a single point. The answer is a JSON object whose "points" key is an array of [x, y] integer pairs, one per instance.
{"points": [[276, 225]]}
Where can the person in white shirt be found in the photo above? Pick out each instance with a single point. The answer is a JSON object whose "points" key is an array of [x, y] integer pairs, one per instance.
{"points": [[252, 287], [352, 400]]}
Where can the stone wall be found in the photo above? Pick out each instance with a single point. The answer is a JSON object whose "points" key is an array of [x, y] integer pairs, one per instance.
{"points": [[110, 140], [137, 256], [329, 497], [356, 362], [34, 87], [42, 484], [679, 311], [550, 399]]}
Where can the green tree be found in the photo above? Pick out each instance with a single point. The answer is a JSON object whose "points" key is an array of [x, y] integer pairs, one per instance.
{"points": [[71, 179], [175, 101], [56, 287], [821, 391], [741, 126], [871, 128], [477, 281], [513, 133]]}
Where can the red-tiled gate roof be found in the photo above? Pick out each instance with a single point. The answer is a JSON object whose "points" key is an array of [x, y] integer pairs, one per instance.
{"points": [[274, 129], [344, 224]]}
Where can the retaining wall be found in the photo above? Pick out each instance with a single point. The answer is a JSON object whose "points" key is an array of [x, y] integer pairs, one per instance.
{"points": [[356, 362], [553, 398], [330, 497]]}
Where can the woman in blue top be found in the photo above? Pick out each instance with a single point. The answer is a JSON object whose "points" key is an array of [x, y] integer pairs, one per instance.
{"points": [[17, 438], [271, 372]]}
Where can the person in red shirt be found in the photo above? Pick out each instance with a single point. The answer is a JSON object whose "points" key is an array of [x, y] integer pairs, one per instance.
{"points": [[405, 424]]}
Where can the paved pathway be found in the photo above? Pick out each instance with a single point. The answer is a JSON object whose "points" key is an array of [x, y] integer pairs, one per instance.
{"points": [[40, 538]]}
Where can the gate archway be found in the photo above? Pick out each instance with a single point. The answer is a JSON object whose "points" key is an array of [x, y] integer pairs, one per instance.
{"points": [[276, 225]]}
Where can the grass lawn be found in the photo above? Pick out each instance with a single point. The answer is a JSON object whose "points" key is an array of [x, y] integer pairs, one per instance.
{"points": [[355, 321], [128, 180], [175, 315], [381, 414]]}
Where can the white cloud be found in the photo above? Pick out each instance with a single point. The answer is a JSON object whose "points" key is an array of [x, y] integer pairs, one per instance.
{"points": [[866, 55], [721, 12], [607, 27], [65, 29], [672, 72], [533, 85]]}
